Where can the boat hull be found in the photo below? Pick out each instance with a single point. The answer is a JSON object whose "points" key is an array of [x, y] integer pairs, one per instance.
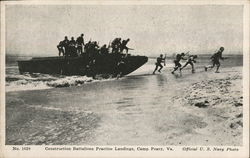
{"points": [[104, 65]]}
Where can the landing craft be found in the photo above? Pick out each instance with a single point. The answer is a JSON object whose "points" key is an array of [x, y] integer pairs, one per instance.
{"points": [[104, 65]]}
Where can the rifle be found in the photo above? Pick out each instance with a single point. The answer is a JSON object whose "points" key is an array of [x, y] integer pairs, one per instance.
{"points": [[130, 49]]}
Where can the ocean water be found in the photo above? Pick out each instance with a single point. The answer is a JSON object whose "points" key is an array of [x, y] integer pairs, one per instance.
{"points": [[138, 109], [20, 82]]}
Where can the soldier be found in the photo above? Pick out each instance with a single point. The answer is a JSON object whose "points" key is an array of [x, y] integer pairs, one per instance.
{"points": [[121, 67], [116, 45], [159, 60], [93, 49], [191, 60], [80, 44], [60, 48], [124, 45], [104, 49], [86, 47], [216, 60], [72, 47], [177, 63], [66, 45]]}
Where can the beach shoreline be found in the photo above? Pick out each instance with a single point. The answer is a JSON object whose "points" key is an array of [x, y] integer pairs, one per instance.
{"points": [[204, 108]]}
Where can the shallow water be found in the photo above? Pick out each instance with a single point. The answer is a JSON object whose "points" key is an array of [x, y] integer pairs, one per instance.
{"points": [[18, 82], [138, 109]]}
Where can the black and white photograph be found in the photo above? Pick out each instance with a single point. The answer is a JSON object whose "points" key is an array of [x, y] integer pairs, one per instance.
{"points": [[130, 77]]}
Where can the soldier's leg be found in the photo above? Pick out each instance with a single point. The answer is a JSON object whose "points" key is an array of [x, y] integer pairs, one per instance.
{"points": [[66, 51], [58, 50], [184, 65], [210, 66], [175, 68], [192, 65], [156, 67], [179, 66], [218, 66], [160, 68], [121, 49], [62, 51], [126, 50], [80, 50]]}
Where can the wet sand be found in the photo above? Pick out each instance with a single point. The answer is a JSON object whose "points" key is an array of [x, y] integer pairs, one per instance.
{"points": [[204, 108]]}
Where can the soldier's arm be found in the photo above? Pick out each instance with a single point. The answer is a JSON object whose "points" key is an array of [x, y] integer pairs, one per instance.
{"points": [[183, 58], [221, 57]]}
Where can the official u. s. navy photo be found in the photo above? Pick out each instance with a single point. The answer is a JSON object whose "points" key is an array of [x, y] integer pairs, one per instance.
{"points": [[124, 75]]}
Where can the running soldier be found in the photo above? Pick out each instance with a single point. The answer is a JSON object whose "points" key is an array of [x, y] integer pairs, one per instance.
{"points": [[215, 58], [191, 60], [177, 63], [159, 60]]}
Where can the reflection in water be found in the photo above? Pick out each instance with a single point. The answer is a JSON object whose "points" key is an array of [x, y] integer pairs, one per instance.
{"points": [[134, 82], [161, 80], [178, 75]]}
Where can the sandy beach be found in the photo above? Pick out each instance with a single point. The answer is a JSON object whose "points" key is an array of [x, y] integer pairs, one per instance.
{"points": [[204, 108]]}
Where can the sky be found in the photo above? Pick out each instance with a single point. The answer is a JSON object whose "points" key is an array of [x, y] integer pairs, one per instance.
{"points": [[37, 29]]}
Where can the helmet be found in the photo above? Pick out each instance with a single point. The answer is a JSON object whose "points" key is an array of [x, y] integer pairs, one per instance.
{"points": [[182, 54], [221, 48]]}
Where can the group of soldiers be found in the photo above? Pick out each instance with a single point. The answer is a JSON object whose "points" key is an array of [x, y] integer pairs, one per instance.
{"points": [[74, 48], [118, 45], [71, 47], [190, 60]]}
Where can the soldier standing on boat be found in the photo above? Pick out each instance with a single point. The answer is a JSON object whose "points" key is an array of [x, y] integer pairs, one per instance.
{"points": [[87, 46], [66, 46], [116, 45], [92, 50], [177, 63], [80, 44], [159, 60], [94, 47], [216, 60], [104, 50], [124, 46], [60, 48], [72, 47]]}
